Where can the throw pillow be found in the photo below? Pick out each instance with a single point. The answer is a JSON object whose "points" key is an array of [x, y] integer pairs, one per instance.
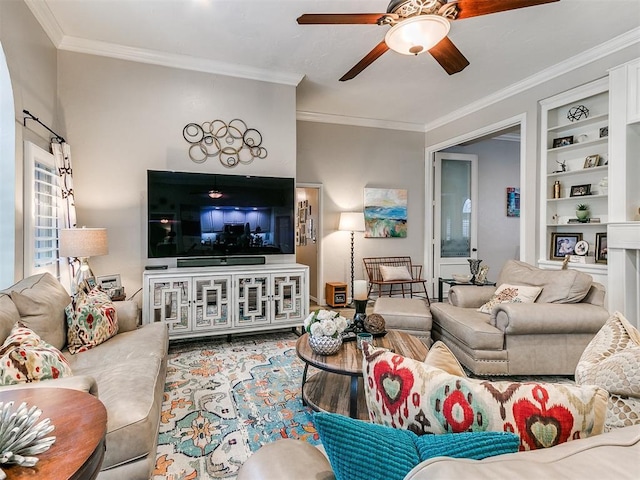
{"points": [[408, 394], [91, 320], [41, 301], [612, 361], [507, 293], [25, 358], [397, 451], [394, 273], [441, 357]]}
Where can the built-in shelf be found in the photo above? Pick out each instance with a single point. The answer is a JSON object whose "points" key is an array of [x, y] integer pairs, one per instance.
{"points": [[589, 139], [578, 199], [579, 124], [582, 225], [602, 168], [575, 146]]}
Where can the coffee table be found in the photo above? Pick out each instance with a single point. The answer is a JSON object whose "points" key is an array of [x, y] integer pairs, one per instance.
{"points": [[80, 422], [338, 386]]}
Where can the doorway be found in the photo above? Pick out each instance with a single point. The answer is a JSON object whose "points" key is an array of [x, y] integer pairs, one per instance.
{"points": [[500, 234], [455, 222], [308, 240]]}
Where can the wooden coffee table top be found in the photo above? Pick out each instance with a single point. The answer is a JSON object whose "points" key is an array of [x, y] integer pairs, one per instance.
{"points": [[80, 422], [348, 360]]}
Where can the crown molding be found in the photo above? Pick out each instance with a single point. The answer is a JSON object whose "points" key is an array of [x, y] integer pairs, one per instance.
{"points": [[588, 56], [358, 121], [141, 55], [46, 19]]}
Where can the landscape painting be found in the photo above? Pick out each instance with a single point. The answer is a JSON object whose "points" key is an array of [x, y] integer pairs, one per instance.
{"points": [[385, 213]]}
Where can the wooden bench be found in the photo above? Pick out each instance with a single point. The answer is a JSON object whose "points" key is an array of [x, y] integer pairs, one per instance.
{"points": [[414, 277]]}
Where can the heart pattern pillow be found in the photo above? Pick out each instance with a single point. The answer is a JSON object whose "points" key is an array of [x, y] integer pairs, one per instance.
{"points": [[408, 394]]}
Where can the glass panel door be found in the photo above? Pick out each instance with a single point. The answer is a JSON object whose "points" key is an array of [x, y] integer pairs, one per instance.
{"points": [[455, 213]]}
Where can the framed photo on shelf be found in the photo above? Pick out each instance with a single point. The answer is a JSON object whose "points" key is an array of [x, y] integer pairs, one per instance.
{"points": [[562, 141], [563, 244], [592, 161], [601, 247], [580, 190]]}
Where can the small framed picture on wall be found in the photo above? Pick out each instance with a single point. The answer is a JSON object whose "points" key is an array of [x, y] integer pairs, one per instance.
{"points": [[513, 201]]}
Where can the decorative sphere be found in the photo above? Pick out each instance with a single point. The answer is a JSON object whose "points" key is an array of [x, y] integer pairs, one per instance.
{"points": [[374, 323], [578, 113]]}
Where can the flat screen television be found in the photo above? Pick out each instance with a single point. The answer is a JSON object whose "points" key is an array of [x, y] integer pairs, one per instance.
{"points": [[205, 215]]}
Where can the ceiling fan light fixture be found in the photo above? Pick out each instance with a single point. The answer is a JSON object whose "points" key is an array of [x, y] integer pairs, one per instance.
{"points": [[215, 194], [417, 34]]}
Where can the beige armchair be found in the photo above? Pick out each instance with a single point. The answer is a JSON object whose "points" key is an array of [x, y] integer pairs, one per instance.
{"points": [[546, 337]]}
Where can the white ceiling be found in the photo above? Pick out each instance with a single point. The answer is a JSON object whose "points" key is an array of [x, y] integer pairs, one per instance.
{"points": [[261, 39]]}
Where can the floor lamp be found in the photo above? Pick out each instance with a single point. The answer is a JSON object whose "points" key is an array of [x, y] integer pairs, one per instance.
{"points": [[351, 222]]}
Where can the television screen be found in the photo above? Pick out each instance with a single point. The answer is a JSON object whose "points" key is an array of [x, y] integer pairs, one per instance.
{"points": [[204, 214]]}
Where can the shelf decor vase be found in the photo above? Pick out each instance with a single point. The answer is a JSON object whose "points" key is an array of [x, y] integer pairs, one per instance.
{"points": [[323, 345], [474, 268], [583, 215]]}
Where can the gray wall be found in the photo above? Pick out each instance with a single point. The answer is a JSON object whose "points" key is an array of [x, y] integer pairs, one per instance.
{"points": [[31, 59], [527, 103], [346, 159], [498, 168], [124, 118]]}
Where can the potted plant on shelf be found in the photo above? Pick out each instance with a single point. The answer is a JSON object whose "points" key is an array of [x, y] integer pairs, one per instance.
{"points": [[582, 212]]}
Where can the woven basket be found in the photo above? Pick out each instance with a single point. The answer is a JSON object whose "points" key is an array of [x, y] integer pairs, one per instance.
{"points": [[325, 345]]}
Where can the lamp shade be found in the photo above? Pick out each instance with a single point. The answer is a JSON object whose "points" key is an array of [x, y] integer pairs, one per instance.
{"points": [[417, 34], [352, 222], [83, 242]]}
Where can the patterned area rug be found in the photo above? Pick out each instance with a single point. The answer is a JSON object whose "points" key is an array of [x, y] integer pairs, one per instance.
{"points": [[223, 400]]}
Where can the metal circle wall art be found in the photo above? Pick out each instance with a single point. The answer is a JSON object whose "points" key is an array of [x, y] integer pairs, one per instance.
{"points": [[578, 113], [233, 143]]}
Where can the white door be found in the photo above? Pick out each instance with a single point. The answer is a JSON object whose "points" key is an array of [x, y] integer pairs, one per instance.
{"points": [[455, 213]]}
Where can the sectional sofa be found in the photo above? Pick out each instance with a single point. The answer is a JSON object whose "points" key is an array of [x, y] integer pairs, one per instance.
{"points": [[127, 372]]}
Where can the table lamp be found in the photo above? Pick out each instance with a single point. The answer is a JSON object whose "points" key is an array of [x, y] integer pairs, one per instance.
{"points": [[351, 222], [83, 243]]}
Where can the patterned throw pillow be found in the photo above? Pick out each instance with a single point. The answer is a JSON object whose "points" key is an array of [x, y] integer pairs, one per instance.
{"points": [[612, 361], [408, 394], [91, 320], [507, 293], [394, 273], [25, 357], [397, 451]]}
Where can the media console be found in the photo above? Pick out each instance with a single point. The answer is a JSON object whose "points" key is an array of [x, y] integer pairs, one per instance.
{"points": [[221, 300]]}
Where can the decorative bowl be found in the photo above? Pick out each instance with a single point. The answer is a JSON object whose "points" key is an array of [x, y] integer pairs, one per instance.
{"points": [[325, 345], [462, 277]]}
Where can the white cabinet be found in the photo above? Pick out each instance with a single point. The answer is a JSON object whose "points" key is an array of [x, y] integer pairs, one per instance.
{"points": [[575, 154], [200, 301], [189, 304]]}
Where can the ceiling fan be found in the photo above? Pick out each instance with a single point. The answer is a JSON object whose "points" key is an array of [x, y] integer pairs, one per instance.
{"points": [[418, 26]]}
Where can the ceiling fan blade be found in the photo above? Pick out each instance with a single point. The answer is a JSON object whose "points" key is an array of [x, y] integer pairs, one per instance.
{"points": [[474, 8], [371, 57], [339, 18], [448, 56]]}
